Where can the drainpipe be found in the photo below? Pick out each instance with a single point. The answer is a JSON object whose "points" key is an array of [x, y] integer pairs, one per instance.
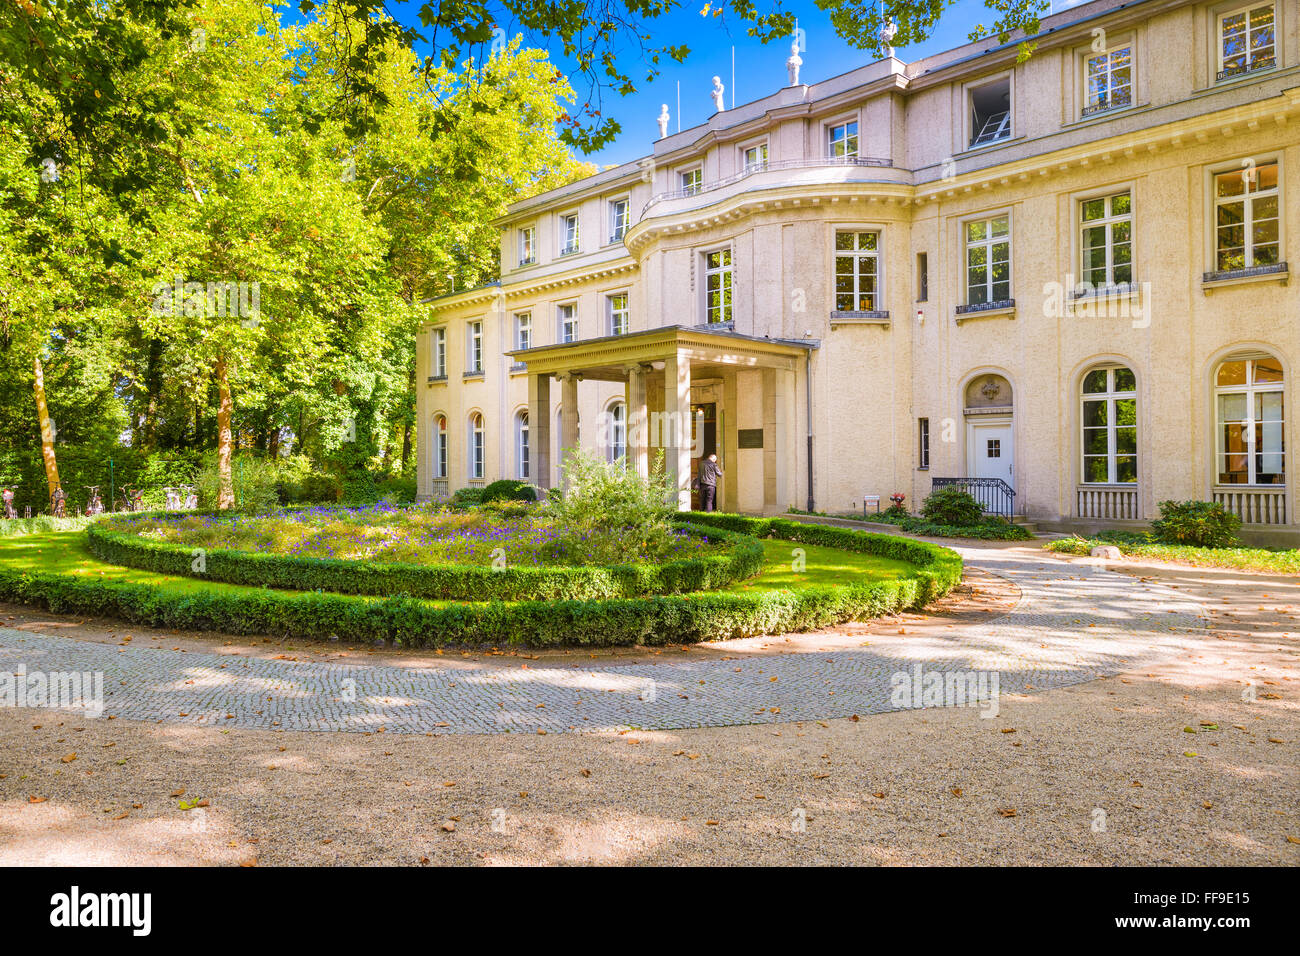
{"points": [[807, 384]]}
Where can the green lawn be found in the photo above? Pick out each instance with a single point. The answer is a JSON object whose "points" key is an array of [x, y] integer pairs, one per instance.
{"points": [[65, 552]]}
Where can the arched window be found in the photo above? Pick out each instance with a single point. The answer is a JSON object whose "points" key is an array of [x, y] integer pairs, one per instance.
{"points": [[616, 432], [440, 446], [1249, 445], [521, 444], [476, 445], [1109, 426]]}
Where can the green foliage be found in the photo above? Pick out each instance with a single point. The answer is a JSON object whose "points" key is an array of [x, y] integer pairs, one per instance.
{"points": [[255, 482], [509, 489], [1141, 545], [467, 496], [990, 529], [37, 525], [609, 512], [1203, 524], [952, 506]]}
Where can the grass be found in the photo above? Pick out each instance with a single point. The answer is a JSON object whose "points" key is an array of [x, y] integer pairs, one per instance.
{"points": [[65, 552], [1260, 560]]}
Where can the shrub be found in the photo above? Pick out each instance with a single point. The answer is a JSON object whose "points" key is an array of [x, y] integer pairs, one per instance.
{"points": [[508, 489], [1206, 524], [609, 512], [467, 496], [952, 506], [254, 480]]}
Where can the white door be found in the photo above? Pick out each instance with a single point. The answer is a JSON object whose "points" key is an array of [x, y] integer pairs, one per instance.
{"points": [[992, 452]]}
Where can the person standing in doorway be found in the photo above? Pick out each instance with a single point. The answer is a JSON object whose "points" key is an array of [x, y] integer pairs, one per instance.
{"points": [[709, 473]]}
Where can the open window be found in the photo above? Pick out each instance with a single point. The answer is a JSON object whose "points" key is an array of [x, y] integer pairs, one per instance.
{"points": [[990, 112]]}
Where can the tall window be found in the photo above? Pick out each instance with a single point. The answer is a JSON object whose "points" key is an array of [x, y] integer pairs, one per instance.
{"points": [[857, 264], [692, 181], [990, 111], [1250, 444], [988, 261], [717, 286], [616, 437], [1107, 240], [618, 313], [440, 353], [527, 245], [618, 219], [1108, 80], [1110, 426], [755, 158], [1247, 40], [568, 320], [923, 443], [524, 330], [476, 445], [842, 140], [440, 446], [569, 237], [1245, 217], [474, 346], [922, 277], [521, 444]]}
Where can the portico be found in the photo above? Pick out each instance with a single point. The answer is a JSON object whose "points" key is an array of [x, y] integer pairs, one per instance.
{"points": [[688, 392]]}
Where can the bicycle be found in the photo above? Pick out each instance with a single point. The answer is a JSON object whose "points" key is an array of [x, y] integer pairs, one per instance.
{"points": [[191, 498], [8, 494], [95, 506], [58, 503], [173, 499], [131, 499]]}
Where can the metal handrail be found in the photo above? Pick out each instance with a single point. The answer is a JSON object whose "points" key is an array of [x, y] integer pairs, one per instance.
{"points": [[994, 495], [755, 168]]}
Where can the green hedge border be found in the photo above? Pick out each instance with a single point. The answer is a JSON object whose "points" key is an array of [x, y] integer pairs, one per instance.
{"points": [[436, 582], [663, 619]]}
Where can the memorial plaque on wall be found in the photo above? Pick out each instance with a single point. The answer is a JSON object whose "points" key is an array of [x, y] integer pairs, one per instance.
{"points": [[749, 438]]}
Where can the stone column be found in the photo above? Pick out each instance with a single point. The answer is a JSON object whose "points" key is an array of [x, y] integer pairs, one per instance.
{"points": [[638, 421], [676, 427], [568, 418], [539, 430]]}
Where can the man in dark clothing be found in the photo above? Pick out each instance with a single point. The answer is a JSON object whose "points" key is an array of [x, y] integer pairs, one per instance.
{"points": [[708, 477]]}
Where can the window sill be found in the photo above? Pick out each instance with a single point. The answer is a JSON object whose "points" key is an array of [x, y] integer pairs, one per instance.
{"points": [[437, 380], [1005, 308], [1223, 76], [972, 150], [1095, 112], [860, 318], [565, 254], [1218, 280], [472, 377], [524, 263]]}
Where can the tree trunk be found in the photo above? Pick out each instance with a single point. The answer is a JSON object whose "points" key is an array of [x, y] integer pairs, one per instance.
{"points": [[410, 402], [47, 429], [225, 444]]}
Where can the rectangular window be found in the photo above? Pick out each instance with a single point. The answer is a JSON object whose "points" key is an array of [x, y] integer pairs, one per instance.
{"points": [[922, 277], [857, 271], [717, 286], [440, 353], [1108, 80], [923, 440], [527, 245], [988, 261], [1110, 426], [1247, 40], [692, 181], [474, 346], [618, 313], [1246, 217], [569, 234], [1106, 243], [568, 317], [843, 140], [755, 158], [990, 109], [618, 219], [524, 330]]}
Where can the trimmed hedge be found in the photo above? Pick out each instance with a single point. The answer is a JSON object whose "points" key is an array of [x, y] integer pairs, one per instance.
{"points": [[415, 623], [439, 582]]}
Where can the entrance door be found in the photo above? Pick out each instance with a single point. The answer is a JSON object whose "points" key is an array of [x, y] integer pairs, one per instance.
{"points": [[992, 452], [703, 417]]}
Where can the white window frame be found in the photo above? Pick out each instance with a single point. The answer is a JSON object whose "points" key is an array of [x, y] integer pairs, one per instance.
{"points": [[1110, 397], [968, 91], [696, 175], [615, 233], [616, 431], [875, 255], [477, 458], [758, 165], [1222, 15], [1108, 221], [570, 246], [523, 452], [562, 320], [439, 446], [611, 326], [1250, 389], [527, 245], [988, 242], [439, 341], [727, 281], [474, 345], [1118, 45], [523, 330], [855, 136], [1248, 199]]}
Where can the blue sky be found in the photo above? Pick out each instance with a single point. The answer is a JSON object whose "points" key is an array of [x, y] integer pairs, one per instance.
{"points": [[760, 69]]}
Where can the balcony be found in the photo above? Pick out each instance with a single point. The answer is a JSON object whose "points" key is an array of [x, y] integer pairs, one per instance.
{"points": [[1263, 63], [764, 169], [1254, 505]]}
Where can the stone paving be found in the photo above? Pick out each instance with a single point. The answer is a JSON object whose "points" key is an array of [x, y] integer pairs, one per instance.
{"points": [[1074, 623]]}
